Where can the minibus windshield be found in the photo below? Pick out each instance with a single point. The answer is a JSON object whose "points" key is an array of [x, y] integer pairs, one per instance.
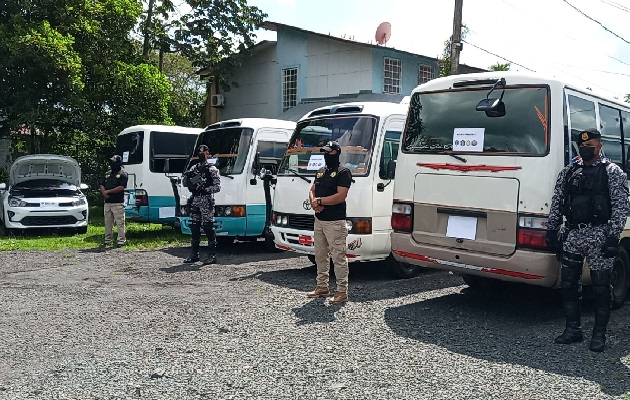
{"points": [[354, 134], [230, 146], [129, 147], [447, 122]]}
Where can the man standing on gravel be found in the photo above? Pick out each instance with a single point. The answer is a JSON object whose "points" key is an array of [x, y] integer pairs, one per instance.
{"points": [[113, 190], [328, 199], [203, 181], [592, 194]]}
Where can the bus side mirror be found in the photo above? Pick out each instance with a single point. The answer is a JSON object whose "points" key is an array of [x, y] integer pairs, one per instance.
{"points": [[391, 169], [256, 164], [253, 181], [492, 107]]}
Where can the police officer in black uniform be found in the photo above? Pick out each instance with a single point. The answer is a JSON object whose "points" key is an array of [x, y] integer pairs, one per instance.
{"points": [[203, 181], [592, 195]]}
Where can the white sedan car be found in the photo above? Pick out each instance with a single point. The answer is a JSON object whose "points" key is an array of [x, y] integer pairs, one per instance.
{"points": [[44, 191]]}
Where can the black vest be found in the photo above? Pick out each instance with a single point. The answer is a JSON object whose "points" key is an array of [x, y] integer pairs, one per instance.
{"points": [[587, 199]]}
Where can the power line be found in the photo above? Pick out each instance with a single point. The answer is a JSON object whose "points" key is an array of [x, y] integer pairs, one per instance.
{"points": [[616, 5], [496, 55], [594, 20]]}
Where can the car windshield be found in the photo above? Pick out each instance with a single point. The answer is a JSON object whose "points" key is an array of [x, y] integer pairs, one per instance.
{"points": [[354, 134], [46, 185], [229, 146], [447, 122]]}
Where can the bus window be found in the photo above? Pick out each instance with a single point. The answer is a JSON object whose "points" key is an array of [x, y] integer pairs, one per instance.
{"points": [[390, 152], [129, 147], [610, 124], [174, 147], [581, 116], [230, 146], [270, 154]]}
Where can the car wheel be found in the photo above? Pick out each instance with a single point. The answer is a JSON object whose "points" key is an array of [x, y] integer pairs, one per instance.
{"points": [[7, 231], [82, 230], [402, 270], [620, 278]]}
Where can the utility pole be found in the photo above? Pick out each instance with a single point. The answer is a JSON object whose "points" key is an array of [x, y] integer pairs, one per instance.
{"points": [[456, 39], [147, 28]]}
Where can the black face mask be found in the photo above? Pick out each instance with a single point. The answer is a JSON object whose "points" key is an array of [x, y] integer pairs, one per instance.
{"points": [[587, 153], [115, 165], [332, 160]]}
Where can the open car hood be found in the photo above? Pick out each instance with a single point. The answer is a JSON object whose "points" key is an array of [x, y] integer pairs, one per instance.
{"points": [[45, 166]]}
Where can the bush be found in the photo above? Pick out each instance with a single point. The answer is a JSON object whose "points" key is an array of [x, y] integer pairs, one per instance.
{"points": [[4, 175]]}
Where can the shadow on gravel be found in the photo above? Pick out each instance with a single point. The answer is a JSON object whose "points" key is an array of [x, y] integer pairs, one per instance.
{"points": [[368, 281], [517, 325], [236, 253], [316, 311], [181, 268]]}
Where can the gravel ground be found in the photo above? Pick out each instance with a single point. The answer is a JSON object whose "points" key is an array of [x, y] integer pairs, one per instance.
{"points": [[124, 324]]}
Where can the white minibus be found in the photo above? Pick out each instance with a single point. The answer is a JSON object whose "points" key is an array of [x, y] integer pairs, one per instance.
{"points": [[150, 153], [369, 134], [245, 151], [478, 162]]}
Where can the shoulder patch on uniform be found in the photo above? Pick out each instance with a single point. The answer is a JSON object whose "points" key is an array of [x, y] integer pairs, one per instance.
{"points": [[333, 174], [320, 174]]}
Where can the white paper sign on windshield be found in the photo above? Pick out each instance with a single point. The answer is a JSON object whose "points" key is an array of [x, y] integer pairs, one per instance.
{"points": [[316, 162], [468, 139], [212, 161], [125, 157]]}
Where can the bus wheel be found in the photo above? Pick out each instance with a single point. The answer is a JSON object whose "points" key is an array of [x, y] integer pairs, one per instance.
{"points": [[620, 278], [270, 245], [225, 240], [311, 258], [401, 270]]}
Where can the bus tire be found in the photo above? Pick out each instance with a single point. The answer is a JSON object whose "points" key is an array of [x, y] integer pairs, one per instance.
{"points": [[270, 245], [311, 258], [223, 241], [620, 278], [402, 270]]}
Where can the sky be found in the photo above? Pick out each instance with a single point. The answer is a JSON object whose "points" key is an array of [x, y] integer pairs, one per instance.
{"points": [[550, 37]]}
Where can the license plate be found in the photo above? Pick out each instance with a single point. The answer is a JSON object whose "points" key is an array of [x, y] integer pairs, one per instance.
{"points": [[48, 204], [305, 240]]}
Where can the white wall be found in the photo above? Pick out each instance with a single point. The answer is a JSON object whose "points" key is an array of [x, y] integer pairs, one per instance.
{"points": [[257, 94], [336, 68]]}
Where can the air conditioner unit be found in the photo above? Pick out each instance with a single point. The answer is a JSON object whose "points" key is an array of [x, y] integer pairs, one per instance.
{"points": [[217, 100]]}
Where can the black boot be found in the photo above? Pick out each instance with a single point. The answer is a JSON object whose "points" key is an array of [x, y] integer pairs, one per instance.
{"points": [[194, 252], [573, 330], [212, 245], [603, 303]]}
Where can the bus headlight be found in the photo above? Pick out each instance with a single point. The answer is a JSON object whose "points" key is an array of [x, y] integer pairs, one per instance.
{"points": [[285, 220]]}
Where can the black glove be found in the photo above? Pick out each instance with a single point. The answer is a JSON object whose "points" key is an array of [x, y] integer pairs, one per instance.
{"points": [[610, 247], [552, 239]]}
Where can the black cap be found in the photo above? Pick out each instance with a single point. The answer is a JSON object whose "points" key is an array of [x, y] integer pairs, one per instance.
{"points": [[202, 147], [330, 146], [116, 157], [588, 134]]}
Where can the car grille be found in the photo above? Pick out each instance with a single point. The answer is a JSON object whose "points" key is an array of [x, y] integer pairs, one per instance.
{"points": [[38, 205], [44, 220], [302, 222]]}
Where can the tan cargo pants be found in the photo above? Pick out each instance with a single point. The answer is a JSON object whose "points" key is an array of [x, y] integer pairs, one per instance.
{"points": [[330, 242], [114, 212]]}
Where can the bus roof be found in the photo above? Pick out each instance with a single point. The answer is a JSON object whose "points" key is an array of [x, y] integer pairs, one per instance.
{"points": [[253, 123], [353, 108], [511, 77], [162, 128]]}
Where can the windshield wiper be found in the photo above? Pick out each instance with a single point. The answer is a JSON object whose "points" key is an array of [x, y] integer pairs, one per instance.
{"points": [[294, 172], [462, 159], [226, 175]]}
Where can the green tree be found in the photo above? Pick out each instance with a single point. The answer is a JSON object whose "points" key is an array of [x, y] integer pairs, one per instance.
{"points": [[188, 94], [500, 67], [72, 78]]}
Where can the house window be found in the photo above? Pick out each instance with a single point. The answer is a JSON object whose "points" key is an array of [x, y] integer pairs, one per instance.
{"points": [[289, 88], [425, 74], [392, 70]]}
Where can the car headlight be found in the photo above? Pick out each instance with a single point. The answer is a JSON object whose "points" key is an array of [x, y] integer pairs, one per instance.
{"points": [[79, 202], [16, 202]]}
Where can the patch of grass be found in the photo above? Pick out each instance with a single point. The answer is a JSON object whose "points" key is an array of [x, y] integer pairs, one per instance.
{"points": [[139, 236]]}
